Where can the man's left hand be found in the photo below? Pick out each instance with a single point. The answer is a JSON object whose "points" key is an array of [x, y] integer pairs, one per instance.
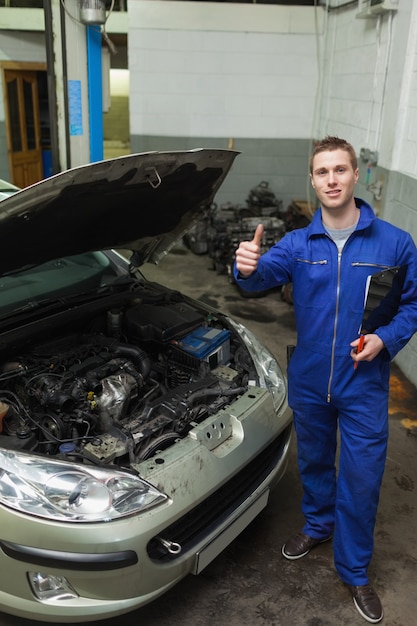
{"points": [[371, 348]]}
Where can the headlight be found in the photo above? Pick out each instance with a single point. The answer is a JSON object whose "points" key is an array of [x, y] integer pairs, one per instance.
{"points": [[69, 492], [269, 372]]}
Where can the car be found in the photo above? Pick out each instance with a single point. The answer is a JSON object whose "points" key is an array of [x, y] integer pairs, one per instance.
{"points": [[7, 189], [141, 430]]}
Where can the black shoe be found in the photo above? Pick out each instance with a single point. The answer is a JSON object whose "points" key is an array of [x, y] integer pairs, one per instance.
{"points": [[299, 545], [367, 603]]}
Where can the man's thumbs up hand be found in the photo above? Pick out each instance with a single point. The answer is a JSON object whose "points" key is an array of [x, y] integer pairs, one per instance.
{"points": [[248, 253], [259, 233]]}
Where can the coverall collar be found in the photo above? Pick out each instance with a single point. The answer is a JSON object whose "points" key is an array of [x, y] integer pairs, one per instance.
{"points": [[367, 216]]}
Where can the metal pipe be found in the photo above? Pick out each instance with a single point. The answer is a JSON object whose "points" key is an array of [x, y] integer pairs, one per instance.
{"points": [[65, 84], [51, 83]]}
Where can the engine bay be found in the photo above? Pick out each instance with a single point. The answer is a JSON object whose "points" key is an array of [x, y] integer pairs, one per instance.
{"points": [[120, 383]]}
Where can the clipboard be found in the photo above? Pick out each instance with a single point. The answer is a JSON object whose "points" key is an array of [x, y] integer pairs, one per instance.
{"points": [[382, 298]]}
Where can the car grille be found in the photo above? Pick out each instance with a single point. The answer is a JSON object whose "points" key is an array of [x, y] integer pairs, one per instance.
{"points": [[193, 527]]}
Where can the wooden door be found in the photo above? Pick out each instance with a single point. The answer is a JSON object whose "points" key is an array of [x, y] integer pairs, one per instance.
{"points": [[23, 127]]}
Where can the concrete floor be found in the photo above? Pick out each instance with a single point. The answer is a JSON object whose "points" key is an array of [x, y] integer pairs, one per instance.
{"points": [[251, 583]]}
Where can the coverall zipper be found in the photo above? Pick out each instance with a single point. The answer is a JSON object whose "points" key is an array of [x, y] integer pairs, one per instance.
{"points": [[339, 258]]}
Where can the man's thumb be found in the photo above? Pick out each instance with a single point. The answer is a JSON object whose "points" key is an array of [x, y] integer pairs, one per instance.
{"points": [[257, 238]]}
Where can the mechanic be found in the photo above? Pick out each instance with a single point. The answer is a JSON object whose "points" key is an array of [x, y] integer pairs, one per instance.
{"points": [[331, 384]]}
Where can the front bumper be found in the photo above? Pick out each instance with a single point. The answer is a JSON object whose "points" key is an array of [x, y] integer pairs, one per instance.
{"points": [[214, 493]]}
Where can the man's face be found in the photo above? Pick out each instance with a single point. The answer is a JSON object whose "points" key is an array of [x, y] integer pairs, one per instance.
{"points": [[334, 179]]}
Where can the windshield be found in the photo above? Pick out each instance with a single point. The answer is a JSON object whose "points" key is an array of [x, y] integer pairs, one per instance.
{"points": [[56, 279], [7, 189]]}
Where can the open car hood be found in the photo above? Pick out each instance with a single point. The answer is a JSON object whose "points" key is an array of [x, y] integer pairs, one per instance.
{"points": [[140, 202]]}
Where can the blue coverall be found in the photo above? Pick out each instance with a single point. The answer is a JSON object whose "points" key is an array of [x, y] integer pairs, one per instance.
{"points": [[325, 391]]}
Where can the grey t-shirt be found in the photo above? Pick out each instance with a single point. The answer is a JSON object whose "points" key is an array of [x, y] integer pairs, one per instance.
{"points": [[340, 235]]}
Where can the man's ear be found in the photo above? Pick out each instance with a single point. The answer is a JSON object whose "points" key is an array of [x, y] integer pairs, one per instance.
{"points": [[311, 180]]}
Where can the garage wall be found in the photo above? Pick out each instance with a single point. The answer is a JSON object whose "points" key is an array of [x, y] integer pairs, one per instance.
{"points": [[227, 75], [367, 80]]}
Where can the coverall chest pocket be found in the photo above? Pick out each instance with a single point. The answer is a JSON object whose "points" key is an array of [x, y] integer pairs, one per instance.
{"points": [[311, 283]]}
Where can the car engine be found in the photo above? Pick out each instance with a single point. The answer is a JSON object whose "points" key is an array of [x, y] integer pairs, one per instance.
{"points": [[129, 382]]}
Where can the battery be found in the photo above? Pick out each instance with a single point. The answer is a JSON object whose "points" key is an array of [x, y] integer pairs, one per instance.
{"points": [[208, 344]]}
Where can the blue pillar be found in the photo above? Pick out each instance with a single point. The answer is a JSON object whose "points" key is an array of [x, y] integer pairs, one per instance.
{"points": [[95, 92]]}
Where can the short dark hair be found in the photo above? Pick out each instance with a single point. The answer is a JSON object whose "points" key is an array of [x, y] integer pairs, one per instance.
{"points": [[330, 143]]}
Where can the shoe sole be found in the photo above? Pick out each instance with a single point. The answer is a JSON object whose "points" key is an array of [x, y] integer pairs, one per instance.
{"points": [[300, 556], [368, 619]]}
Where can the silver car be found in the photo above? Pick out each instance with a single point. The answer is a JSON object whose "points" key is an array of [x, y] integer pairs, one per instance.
{"points": [[7, 189], [141, 431]]}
